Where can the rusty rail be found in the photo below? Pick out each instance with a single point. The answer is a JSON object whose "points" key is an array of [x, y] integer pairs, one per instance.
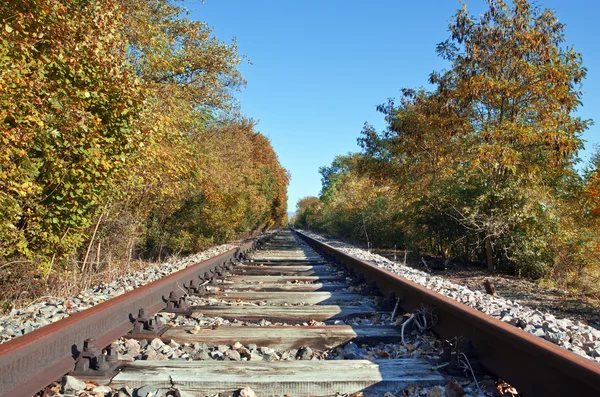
{"points": [[31, 362], [534, 366]]}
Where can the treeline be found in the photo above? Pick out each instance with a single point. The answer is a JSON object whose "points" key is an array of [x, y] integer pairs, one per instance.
{"points": [[120, 137], [482, 167]]}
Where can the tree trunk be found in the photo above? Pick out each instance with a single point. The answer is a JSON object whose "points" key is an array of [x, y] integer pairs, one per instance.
{"points": [[489, 253]]}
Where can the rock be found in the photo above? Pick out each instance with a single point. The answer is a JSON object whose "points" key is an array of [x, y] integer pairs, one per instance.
{"points": [[350, 351], [146, 391], [252, 347], [201, 355], [223, 348], [587, 337], [234, 355], [200, 346], [216, 354], [305, 353], [151, 355], [48, 311], [179, 393], [101, 389], [10, 331], [436, 391], [520, 323], [454, 390], [539, 332], [267, 350], [127, 390], [549, 317], [247, 392], [196, 315], [270, 357], [156, 343], [71, 384], [131, 344], [237, 345], [554, 337], [535, 320]]}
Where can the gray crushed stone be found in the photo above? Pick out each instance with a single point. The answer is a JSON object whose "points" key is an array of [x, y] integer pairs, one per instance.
{"points": [[51, 309], [572, 335]]}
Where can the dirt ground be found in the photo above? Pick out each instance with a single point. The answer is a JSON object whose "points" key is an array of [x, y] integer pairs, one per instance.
{"points": [[527, 293]]}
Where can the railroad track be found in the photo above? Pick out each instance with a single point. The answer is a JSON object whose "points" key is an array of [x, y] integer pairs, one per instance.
{"points": [[286, 316]]}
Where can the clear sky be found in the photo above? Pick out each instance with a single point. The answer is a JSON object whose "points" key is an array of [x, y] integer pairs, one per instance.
{"points": [[319, 67]]}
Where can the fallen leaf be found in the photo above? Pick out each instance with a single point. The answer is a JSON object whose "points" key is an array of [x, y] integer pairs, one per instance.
{"points": [[90, 385]]}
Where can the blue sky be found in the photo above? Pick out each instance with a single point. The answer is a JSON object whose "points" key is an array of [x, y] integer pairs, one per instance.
{"points": [[319, 68]]}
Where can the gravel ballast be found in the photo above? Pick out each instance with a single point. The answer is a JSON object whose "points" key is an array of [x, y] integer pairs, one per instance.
{"points": [[572, 335], [51, 309]]}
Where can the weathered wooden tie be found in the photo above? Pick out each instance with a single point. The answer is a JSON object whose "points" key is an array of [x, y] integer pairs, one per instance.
{"points": [[286, 262], [284, 279], [273, 298], [276, 287], [278, 378], [284, 314], [289, 268], [284, 337], [283, 271]]}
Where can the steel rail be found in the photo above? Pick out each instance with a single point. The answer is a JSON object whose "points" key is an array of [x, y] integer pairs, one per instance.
{"points": [[534, 366], [31, 362]]}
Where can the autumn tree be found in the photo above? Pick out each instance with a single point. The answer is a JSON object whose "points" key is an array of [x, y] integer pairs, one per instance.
{"points": [[120, 137], [491, 149], [592, 185], [67, 116], [307, 209]]}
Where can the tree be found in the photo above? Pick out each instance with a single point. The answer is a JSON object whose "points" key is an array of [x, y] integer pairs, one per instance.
{"points": [[67, 114], [118, 122], [492, 148], [592, 185], [306, 212]]}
